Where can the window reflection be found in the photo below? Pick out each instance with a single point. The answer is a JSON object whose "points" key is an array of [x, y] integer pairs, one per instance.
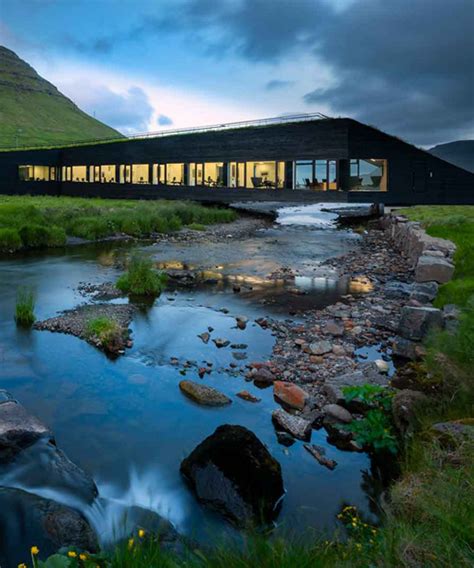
{"points": [[368, 175], [316, 175]]}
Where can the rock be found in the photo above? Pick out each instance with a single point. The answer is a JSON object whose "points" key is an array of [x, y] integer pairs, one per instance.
{"points": [[454, 432], [339, 437], [404, 409], [18, 428], [432, 268], [233, 473], [397, 290], [334, 328], [338, 350], [263, 376], [333, 386], [382, 366], [424, 292], [318, 453], [204, 337], [404, 348], [202, 394], [415, 323], [245, 395], [284, 438], [320, 347], [42, 522], [290, 394], [220, 342], [241, 322], [337, 413], [298, 427]]}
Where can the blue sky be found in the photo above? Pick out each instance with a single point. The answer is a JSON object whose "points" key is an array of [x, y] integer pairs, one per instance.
{"points": [[405, 66]]}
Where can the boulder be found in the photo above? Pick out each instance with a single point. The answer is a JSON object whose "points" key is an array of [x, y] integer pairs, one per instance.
{"points": [[18, 428], [263, 376], [233, 473], [454, 432], [290, 394], [433, 268], [284, 438], [320, 347], [295, 425], [405, 405], [367, 374], [337, 413], [424, 292], [405, 348], [202, 394], [416, 322], [398, 290], [40, 522]]}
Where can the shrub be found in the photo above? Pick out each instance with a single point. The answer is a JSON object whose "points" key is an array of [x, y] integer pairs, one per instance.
{"points": [[34, 236], [25, 307], [375, 430], [91, 228], [9, 240], [107, 331], [56, 237], [141, 279]]}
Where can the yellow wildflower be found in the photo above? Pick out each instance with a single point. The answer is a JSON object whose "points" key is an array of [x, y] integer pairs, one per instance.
{"points": [[72, 554], [22, 565], [354, 524], [141, 533], [130, 543], [83, 556], [34, 550]]}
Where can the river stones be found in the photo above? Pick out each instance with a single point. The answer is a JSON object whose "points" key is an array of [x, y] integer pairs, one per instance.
{"points": [[433, 268], [290, 394], [295, 425], [232, 472], [337, 413], [221, 342], [415, 323], [18, 428], [320, 347], [40, 522], [202, 394], [249, 397]]}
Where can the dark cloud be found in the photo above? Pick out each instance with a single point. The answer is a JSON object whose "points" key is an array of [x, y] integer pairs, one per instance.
{"points": [[164, 120], [276, 84], [130, 112], [405, 66]]}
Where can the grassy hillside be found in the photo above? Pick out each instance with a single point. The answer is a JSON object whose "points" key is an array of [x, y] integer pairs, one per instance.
{"points": [[33, 112]]}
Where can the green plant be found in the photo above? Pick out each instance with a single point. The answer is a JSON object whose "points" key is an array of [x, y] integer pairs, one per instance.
{"points": [[25, 307], [196, 227], [107, 331], [375, 429], [9, 240], [141, 279]]}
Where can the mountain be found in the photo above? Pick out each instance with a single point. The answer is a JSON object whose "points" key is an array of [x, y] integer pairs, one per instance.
{"points": [[33, 112], [459, 153]]}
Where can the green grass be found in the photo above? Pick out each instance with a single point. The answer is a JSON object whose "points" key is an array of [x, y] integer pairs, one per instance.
{"points": [[106, 330], [33, 222], [141, 279], [33, 112], [25, 307], [196, 227], [455, 223]]}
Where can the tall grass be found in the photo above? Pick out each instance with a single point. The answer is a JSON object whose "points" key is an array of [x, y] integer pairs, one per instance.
{"points": [[141, 279], [30, 222], [106, 330], [25, 307]]}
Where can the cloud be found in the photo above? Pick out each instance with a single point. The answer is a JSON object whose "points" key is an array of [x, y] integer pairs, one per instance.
{"points": [[164, 120], [129, 112], [276, 84]]}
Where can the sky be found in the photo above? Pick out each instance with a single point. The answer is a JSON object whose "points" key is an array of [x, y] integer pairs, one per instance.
{"points": [[404, 66]]}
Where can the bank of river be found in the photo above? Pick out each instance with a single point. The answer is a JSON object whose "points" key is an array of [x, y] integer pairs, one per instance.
{"points": [[126, 422]]}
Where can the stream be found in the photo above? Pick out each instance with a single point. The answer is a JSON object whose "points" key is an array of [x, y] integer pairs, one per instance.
{"points": [[126, 422]]}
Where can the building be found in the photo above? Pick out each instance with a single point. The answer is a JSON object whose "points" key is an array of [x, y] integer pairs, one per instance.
{"points": [[299, 158]]}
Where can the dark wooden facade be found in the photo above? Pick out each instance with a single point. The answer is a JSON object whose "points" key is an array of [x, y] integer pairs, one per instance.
{"points": [[414, 176]]}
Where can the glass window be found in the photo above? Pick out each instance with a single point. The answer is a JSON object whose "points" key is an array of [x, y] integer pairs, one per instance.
{"points": [[192, 173], [332, 174], [52, 173], [280, 174], [303, 174], [140, 173], [26, 173], [108, 174], [79, 173], [38, 173], [214, 174], [125, 173], [321, 174], [368, 175], [174, 174], [261, 174]]}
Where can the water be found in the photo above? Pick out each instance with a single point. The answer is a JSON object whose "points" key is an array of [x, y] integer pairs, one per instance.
{"points": [[126, 422]]}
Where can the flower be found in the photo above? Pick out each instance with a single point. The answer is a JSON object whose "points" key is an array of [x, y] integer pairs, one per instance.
{"points": [[34, 550], [83, 556], [22, 565], [141, 533], [130, 543], [72, 554]]}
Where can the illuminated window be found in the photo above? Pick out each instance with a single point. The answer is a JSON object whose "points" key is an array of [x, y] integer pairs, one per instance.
{"points": [[125, 173], [174, 174], [52, 173], [140, 173], [265, 174], [26, 173], [214, 174], [79, 173], [108, 174], [368, 175], [236, 174]]}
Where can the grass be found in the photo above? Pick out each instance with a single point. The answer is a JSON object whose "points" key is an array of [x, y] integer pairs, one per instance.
{"points": [[106, 330], [25, 307], [34, 222], [141, 279], [455, 223]]}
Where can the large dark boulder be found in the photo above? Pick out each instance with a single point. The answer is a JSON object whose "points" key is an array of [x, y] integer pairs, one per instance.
{"points": [[27, 520], [233, 473]]}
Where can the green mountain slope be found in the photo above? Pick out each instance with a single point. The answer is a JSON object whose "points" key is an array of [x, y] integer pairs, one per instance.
{"points": [[33, 112]]}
